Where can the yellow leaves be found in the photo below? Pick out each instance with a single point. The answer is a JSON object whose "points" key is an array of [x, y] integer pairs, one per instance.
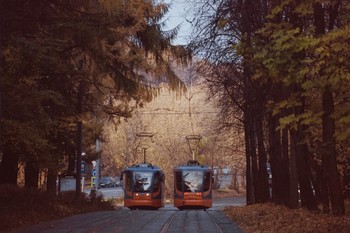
{"points": [[278, 9], [293, 121], [222, 23], [305, 8], [322, 50]]}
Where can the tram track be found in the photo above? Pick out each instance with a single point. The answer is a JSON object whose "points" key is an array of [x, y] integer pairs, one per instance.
{"points": [[167, 223], [217, 227], [166, 220], [171, 218]]}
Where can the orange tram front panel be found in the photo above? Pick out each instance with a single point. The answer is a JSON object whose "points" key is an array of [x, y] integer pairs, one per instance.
{"points": [[139, 200], [190, 201], [193, 186], [143, 187]]}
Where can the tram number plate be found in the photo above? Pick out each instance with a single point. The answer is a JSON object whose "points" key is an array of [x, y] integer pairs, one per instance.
{"points": [[193, 195]]}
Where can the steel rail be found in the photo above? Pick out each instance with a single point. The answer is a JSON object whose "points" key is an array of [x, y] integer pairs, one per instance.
{"points": [[218, 229], [167, 223]]}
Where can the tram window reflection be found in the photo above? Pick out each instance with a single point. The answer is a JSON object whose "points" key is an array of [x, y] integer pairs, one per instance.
{"points": [[193, 181], [142, 181]]}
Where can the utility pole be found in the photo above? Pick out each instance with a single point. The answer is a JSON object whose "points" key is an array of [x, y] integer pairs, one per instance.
{"points": [[97, 177], [79, 139]]}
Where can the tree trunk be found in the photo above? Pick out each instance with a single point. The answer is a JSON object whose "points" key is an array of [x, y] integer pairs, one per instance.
{"points": [[9, 166], [51, 181], [329, 154], [71, 163], [249, 177], [1, 120], [294, 195], [235, 181], [329, 158], [254, 161], [320, 187], [302, 155], [285, 190], [264, 182], [275, 159], [31, 175]]}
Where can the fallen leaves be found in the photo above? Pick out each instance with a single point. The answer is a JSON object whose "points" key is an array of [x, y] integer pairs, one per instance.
{"points": [[265, 218]]}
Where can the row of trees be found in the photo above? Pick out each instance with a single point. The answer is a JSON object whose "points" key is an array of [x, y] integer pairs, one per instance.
{"points": [[282, 68], [68, 66], [171, 118]]}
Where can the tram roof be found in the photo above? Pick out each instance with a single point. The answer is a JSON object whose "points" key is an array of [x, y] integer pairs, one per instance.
{"points": [[143, 167], [193, 165]]}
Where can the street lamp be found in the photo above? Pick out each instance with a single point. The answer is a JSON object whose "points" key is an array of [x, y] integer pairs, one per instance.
{"points": [[193, 142], [145, 138]]}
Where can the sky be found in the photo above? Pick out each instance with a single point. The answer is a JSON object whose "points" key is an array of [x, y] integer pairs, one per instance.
{"points": [[176, 16]]}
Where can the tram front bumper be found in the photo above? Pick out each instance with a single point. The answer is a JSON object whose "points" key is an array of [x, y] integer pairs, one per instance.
{"points": [[143, 200], [207, 203]]}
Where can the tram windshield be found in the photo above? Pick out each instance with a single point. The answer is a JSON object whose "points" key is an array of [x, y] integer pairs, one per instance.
{"points": [[193, 181], [142, 181]]}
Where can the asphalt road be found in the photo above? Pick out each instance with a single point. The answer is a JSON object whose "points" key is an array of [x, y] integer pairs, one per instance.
{"points": [[168, 219]]}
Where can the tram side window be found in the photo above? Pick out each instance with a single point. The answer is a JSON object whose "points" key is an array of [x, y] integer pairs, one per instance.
{"points": [[178, 177], [128, 181], [157, 181], [207, 179]]}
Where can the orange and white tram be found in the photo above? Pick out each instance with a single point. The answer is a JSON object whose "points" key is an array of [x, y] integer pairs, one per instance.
{"points": [[143, 186], [193, 186]]}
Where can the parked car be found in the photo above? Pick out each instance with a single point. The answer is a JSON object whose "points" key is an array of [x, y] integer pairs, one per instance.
{"points": [[106, 182], [226, 170], [117, 182]]}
